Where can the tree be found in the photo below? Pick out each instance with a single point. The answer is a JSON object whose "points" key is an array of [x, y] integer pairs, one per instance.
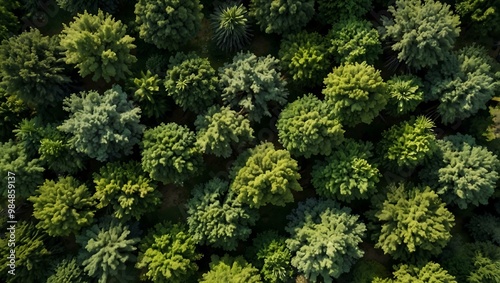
{"points": [[413, 222], [127, 189], [169, 153], [8, 20], [99, 46], [168, 24], [354, 40], [282, 16], [408, 144], [191, 82], [272, 257], [366, 270], [356, 92], [308, 127], [312, 226], [430, 272], [304, 56], [463, 172], [107, 248], [158, 64], [406, 92], [32, 69], [149, 94], [263, 175], [330, 11], [102, 126], [220, 128], [28, 172], [62, 207], [230, 270], [231, 26], [422, 32], [91, 6], [12, 110], [463, 84], [483, 16], [68, 270], [249, 83], [348, 173], [485, 227], [28, 134], [168, 254]]}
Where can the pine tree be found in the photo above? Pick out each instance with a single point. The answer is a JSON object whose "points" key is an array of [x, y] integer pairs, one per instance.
{"points": [[149, 94], [330, 11], [68, 270], [282, 16], [485, 227], [230, 270], [482, 16], [231, 26], [12, 111], [406, 92], [430, 272]]}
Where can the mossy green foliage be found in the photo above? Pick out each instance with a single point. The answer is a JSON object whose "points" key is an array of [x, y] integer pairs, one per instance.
{"points": [[282, 17], [429, 272], [149, 94], [231, 26], [231, 270], [9, 24], [12, 111], [68, 270], [406, 92]]}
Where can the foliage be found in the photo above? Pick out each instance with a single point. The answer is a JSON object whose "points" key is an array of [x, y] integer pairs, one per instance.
{"points": [[493, 129], [406, 92], [312, 226], [347, 174], [168, 254], [191, 82], [463, 84], [62, 207], [414, 222], [28, 171], [28, 134], [219, 128], [230, 270], [98, 45], [12, 110], [102, 126], [421, 32], [168, 24], [463, 172], [91, 6], [32, 69], [330, 11], [127, 189], [149, 94], [106, 249], [249, 83], [216, 218], [364, 271], [356, 92], [430, 272], [308, 127], [354, 40], [9, 23], [157, 64], [304, 56], [485, 227], [483, 15], [169, 153], [231, 26], [408, 144], [263, 175], [282, 17], [68, 270]]}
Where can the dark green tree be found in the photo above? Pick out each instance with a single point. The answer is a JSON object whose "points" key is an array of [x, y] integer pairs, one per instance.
{"points": [[28, 134], [102, 126], [168, 24], [149, 94], [68, 270], [99, 46], [231, 26], [158, 64], [282, 16], [231, 270], [169, 153], [12, 111], [348, 173], [366, 270], [9, 23], [249, 83], [485, 227], [312, 226], [330, 12], [421, 32], [91, 6], [263, 175], [483, 16], [405, 93], [308, 127]]}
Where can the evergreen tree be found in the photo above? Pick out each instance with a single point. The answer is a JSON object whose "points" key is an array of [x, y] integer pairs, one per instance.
{"points": [[356, 92], [366, 270], [216, 218], [169, 153], [12, 110], [168, 254], [330, 11], [231, 270], [308, 127], [263, 175], [422, 32], [91, 6], [406, 92], [149, 94], [102, 126], [249, 83], [220, 128], [312, 226], [9, 23], [485, 227], [482, 16], [430, 272], [68, 270], [168, 24], [99, 46], [282, 16], [231, 26], [62, 207]]}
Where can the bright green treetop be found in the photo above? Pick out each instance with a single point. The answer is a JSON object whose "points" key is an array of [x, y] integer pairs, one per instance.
{"points": [[231, 26], [406, 92], [231, 270], [430, 272]]}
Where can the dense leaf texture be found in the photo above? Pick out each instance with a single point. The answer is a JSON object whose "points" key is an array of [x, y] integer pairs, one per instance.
{"points": [[366, 270], [263, 175], [324, 239], [168, 24], [485, 227], [149, 94], [483, 15], [102, 126], [348, 173], [8, 21], [249, 83], [430, 272], [91, 6], [414, 222], [62, 207], [422, 32], [220, 128], [68, 270], [168, 254], [282, 16], [330, 11], [308, 127], [406, 92], [231, 270], [169, 153], [231, 26], [356, 92], [465, 173], [12, 110]]}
